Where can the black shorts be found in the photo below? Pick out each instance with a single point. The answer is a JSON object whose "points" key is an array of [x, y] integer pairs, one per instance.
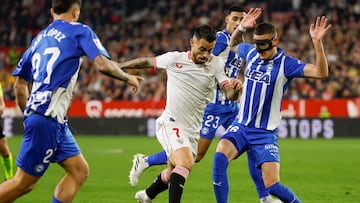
{"points": [[1, 132]]}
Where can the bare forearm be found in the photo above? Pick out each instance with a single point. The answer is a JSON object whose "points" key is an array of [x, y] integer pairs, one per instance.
{"points": [[21, 94], [113, 70], [139, 63], [236, 38], [321, 60]]}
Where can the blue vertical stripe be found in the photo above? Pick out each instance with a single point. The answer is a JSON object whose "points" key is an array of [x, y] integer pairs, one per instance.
{"points": [[246, 102], [256, 103]]}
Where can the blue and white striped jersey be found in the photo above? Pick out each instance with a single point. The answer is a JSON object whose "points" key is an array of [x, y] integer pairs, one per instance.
{"points": [[52, 63], [264, 85], [232, 68]]}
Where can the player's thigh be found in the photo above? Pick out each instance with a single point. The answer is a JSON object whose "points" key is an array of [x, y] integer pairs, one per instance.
{"points": [[23, 180], [182, 157], [77, 166], [203, 145]]}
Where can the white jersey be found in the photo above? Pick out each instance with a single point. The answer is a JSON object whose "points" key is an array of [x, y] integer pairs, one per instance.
{"points": [[190, 87]]}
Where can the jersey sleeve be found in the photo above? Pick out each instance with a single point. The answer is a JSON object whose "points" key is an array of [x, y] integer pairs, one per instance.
{"points": [[294, 67], [23, 68], [163, 61], [243, 49], [221, 43], [91, 44]]}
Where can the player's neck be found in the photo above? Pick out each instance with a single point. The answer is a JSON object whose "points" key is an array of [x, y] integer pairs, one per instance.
{"points": [[64, 17], [268, 54]]}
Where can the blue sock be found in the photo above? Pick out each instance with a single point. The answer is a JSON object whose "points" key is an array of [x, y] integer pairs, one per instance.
{"points": [[159, 158], [283, 193], [220, 178], [256, 176], [54, 200]]}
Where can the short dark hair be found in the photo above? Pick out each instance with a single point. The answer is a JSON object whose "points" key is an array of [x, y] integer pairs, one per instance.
{"points": [[63, 6], [206, 32], [237, 8], [265, 28]]}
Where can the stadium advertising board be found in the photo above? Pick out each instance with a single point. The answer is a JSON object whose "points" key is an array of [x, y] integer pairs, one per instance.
{"points": [[339, 108], [306, 119]]}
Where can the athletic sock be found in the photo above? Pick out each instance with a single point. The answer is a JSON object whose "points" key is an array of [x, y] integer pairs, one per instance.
{"points": [[7, 163], [256, 176], [177, 182], [283, 193], [159, 185], [159, 158], [220, 177], [54, 200]]}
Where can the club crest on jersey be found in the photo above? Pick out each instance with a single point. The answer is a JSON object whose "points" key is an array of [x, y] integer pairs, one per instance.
{"points": [[205, 130], [178, 66], [258, 76]]}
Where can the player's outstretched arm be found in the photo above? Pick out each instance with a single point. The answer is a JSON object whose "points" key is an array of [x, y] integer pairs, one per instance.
{"points": [[112, 69], [317, 32], [139, 63]]}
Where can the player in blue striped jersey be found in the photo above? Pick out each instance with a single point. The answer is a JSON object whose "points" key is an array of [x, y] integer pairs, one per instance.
{"points": [[268, 72], [51, 65]]}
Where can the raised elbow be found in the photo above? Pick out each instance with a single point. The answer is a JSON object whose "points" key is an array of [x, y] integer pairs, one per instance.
{"points": [[324, 75]]}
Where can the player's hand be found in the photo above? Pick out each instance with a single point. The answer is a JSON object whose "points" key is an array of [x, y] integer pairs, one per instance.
{"points": [[236, 84], [318, 30], [250, 18], [134, 81]]}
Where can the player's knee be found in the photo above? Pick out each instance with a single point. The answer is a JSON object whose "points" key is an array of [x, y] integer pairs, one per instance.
{"points": [[270, 180], [81, 173], [84, 173], [187, 164]]}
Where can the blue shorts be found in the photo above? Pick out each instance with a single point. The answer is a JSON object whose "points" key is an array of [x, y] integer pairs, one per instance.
{"points": [[45, 141], [214, 117], [261, 143]]}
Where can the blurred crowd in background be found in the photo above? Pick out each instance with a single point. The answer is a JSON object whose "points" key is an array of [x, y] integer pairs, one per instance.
{"points": [[135, 28]]}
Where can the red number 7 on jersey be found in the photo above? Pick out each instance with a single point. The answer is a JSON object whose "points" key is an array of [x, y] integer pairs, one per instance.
{"points": [[176, 132]]}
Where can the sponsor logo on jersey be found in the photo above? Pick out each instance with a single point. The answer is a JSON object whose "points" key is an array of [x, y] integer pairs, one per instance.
{"points": [[258, 76]]}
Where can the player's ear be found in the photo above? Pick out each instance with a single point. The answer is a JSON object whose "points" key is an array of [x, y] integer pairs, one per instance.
{"points": [[52, 12], [276, 40], [192, 42], [75, 12], [227, 19]]}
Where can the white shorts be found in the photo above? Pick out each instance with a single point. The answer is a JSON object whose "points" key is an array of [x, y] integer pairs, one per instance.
{"points": [[173, 136]]}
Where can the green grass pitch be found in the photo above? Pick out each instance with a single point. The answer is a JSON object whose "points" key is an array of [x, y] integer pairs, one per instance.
{"points": [[317, 170]]}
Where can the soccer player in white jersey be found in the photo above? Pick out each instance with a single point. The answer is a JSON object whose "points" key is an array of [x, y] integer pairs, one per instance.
{"points": [[191, 79], [268, 73], [51, 65], [219, 112]]}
